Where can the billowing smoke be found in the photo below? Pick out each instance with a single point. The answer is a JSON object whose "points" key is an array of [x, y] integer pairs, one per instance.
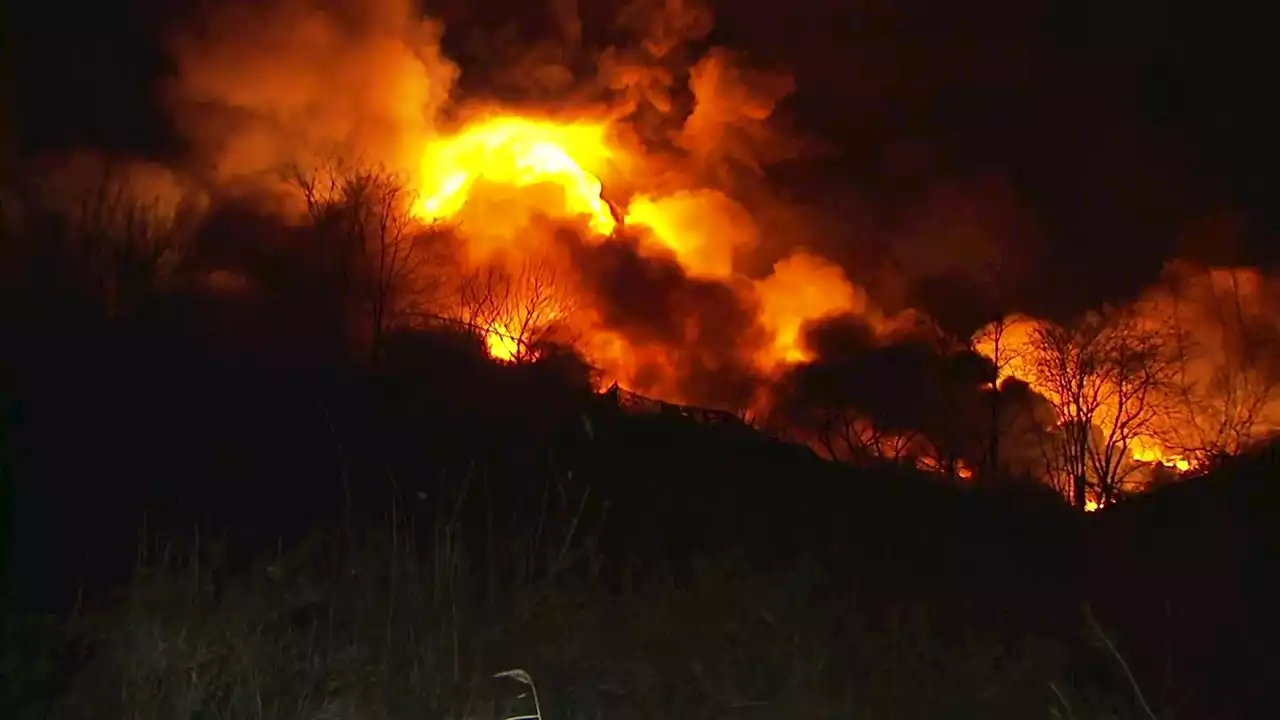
{"points": [[1183, 375], [262, 86], [711, 325], [603, 175], [110, 192], [1226, 321], [966, 243], [898, 392], [668, 293]]}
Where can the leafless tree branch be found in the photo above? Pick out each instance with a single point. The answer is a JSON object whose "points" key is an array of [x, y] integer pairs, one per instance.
{"points": [[1107, 377], [386, 260], [1226, 386], [516, 311]]}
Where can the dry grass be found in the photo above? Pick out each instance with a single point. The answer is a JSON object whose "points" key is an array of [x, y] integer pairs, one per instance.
{"points": [[401, 623]]}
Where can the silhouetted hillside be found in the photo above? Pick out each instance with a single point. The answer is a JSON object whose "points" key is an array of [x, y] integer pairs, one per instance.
{"points": [[113, 433], [1188, 572], [206, 430], [170, 435]]}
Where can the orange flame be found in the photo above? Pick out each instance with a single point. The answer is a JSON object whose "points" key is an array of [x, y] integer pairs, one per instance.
{"points": [[517, 152], [1008, 343], [802, 287], [501, 342], [494, 174], [1215, 325], [259, 86]]}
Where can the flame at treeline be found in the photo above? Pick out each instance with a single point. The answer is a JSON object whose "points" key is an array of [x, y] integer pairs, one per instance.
{"points": [[491, 176], [703, 228], [1185, 374], [629, 214], [623, 210]]}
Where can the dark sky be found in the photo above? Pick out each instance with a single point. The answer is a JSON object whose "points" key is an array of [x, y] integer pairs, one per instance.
{"points": [[1121, 124]]}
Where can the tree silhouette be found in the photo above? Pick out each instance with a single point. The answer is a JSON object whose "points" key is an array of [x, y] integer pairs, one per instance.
{"points": [[910, 402], [998, 343], [111, 235], [1227, 391], [518, 313], [382, 255], [1107, 377]]}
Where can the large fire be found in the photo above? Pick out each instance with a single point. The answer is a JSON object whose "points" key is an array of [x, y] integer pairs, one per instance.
{"points": [[629, 211], [1205, 386], [1012, 348], [518, 152], [489, 177]]}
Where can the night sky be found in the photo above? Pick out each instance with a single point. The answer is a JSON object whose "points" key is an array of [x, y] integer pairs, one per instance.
{"points": [[1130, 132]]}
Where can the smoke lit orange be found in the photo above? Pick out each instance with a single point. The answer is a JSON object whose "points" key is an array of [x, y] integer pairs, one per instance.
{"points": [[642, 167], [491, 174]]}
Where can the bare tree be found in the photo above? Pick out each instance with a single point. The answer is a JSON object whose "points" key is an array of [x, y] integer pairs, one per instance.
{"points": [[516, 312], [383, 257], [1227, 390], [1107, 378], [956, 395], [998, 341], [99, 225], [1026, 422], [862, 440], [837, 431], [912, 403], [140, 240]]}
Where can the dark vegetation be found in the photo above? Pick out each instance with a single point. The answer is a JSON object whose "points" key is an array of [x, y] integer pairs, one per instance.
{"points": [[220, 505]]}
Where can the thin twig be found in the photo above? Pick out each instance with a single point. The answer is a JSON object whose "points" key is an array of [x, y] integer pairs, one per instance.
{"points": [[1062, 699], [1137, 691]]}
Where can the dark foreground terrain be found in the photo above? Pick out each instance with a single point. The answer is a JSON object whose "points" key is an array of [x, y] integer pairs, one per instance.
{"points": [[191, 534]]}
